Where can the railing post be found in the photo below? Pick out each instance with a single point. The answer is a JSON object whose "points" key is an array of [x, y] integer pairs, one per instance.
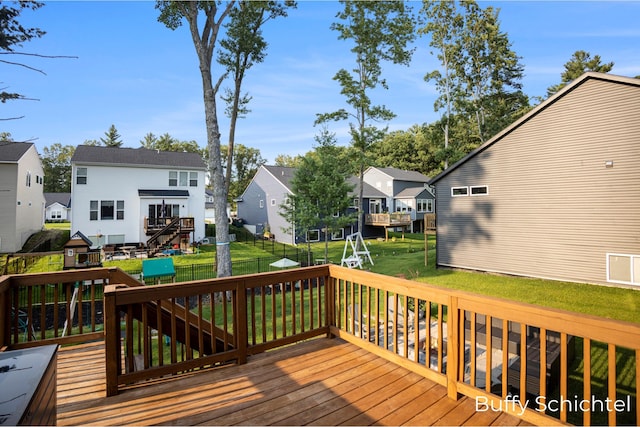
{"points": [[111, 339], [330, 301], [453, 347], [241, 321]]}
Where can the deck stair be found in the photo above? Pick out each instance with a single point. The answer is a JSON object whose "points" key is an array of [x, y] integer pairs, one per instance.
{"points": [[162, 237]]}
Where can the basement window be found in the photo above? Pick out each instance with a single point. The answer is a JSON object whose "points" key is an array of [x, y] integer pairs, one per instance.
{"points": [[623, 268], [459, 191], [479, 190]]}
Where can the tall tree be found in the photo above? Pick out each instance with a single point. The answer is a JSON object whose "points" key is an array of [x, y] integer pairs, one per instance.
{"points": [[444, 23], [166, 142], [287, 160], [243, 47], [321, 193], [580, 63], [211, 15], [413, 149], [112, 138], [56, 162], [379, 31], [479, 76]]}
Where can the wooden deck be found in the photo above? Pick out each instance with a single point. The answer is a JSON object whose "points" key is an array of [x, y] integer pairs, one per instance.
{"points": [[319, 382]]}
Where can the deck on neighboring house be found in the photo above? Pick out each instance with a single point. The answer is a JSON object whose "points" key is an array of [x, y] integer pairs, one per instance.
{"points": [[319, 382]]}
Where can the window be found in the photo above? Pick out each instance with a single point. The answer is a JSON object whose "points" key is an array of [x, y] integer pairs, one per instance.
{"points": [[479, 190], [184, 177], [623, 268], [106, 209], [261, 204], [93, 210], [120, 209], [459, 191], [193, 179], [313, 236], [425, 205], [273, 202], [338, 235], [356, 203], [81, 176], [28, 179], [173, 178], [56, 214]]}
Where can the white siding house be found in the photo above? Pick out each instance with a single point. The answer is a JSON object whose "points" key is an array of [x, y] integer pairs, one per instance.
{"points": [[116, 192], [57, 206], [21, 195]]}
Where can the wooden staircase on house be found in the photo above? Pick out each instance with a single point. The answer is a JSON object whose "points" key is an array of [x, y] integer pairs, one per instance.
{"points": [[163, 236]]}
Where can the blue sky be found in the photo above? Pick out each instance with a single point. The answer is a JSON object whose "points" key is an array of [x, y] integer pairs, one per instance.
{"points": [[135, 73]]}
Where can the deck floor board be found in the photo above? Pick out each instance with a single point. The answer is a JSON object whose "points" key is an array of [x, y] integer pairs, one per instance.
{"points": [[319, 382]]}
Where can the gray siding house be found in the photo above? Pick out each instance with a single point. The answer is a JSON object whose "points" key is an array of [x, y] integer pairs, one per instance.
{"points": [[259, 204], [555, 195], [404, 191]]}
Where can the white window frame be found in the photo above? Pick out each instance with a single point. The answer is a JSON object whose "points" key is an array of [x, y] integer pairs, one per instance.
{"points": [[316, 232], [82, 173], [183, 179], [486, 187], [463, 187], [424, 205], [273, 202], [119, 209], [634, 269], [94, 209], [173, 178], [338, 234], [261, 204], [193, 179]]}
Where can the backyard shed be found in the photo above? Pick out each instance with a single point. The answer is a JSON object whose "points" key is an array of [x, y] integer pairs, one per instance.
{"points": [[555, 195], [78, 253]]}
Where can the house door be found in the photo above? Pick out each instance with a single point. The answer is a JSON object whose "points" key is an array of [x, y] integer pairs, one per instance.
{"points": [[375, 206]]}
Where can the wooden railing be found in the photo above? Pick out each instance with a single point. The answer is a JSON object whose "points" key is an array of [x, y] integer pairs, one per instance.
{"points": [[532, 356], [55, 308], [521, 359], [171, 329], [388, 219]]}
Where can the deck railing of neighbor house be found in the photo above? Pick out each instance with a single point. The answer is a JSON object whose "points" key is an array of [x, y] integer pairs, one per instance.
{"points": [[518, 358], [388, 219]]}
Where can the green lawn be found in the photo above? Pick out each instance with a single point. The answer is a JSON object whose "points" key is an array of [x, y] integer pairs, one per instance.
{"points": [[57, 225], [406, 258]]}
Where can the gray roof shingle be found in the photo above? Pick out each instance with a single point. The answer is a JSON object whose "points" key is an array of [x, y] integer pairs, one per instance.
{"points": [[11, 152], [136, 157]]}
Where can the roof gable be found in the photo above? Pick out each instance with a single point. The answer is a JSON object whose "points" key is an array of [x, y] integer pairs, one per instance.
{"points": [[141, 157], [566, 91], [283, 174], [63, 199], [11, 152]]}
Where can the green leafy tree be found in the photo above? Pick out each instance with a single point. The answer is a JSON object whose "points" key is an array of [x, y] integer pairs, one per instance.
{"points": [[479, 79], [380, 32], [56, 162], [111, 138], [321, 193], [444, 24], [205, 19], [166, 142], [288, 161], [580, 63], [243, 47], [413, 149]]}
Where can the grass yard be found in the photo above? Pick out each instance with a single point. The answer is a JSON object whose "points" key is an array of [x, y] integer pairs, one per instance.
{"points": [[57, 225], [406, 257]]}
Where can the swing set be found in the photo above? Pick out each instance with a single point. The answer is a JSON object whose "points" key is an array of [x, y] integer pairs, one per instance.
{"points": [[359, 251]]}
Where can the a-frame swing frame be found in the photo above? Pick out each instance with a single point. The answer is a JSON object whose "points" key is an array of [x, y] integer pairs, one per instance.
{"points": [[358, 251]]}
